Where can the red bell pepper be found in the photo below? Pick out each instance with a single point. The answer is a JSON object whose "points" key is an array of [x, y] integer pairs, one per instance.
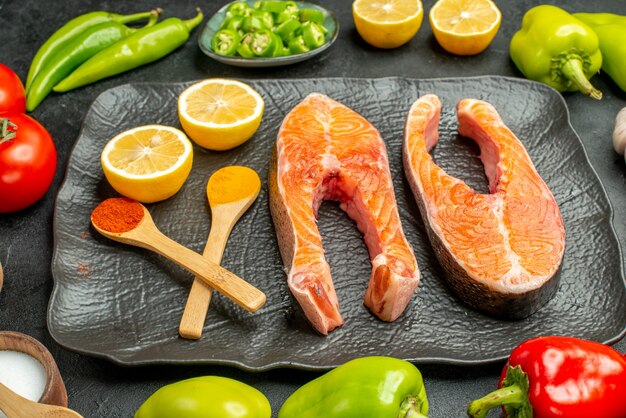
{"points": [[559, 377]]}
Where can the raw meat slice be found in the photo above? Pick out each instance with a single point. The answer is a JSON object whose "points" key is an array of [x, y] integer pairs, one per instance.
{"points": [[325, 150], [500, 251]]}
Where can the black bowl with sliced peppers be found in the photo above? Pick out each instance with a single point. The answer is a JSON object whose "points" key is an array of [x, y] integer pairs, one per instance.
{"points": [[268, 33]]}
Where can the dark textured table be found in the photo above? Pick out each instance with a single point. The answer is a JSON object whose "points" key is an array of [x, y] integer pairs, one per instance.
{"points": [[99, 389]]}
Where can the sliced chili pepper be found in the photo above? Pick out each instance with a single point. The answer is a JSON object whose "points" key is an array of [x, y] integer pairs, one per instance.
{"points": [[274, 6], [263, 43], [286, 29], [291, 11], [245, 51], [266, 18], [252, 24], [225, 42], [279, 47], [312, 34], [239, 8], [233, 23], [311, 15], [298, 46]]}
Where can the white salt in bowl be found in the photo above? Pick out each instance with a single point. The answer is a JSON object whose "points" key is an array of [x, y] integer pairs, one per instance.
{"points": [[54, 392]]}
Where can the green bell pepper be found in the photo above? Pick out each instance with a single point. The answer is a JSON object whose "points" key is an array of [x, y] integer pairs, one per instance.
{"points": [[207, 396], [611, 31], [555, 48], [368, 387]]}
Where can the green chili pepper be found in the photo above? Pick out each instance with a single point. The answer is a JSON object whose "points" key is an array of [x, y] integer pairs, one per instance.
{"points": [[239, 8], [67, 32], [253, 24], [263, 43], [266, 18], [274, 6], [245, 51], [310, 15], [142, 47], [368, 387], [203, 397], [233, 23], [611, 31], [298, 46], [286, 29], [225, 42], [557, 49], [291, 11], [312, 34], [279, 47], [79, 50]]}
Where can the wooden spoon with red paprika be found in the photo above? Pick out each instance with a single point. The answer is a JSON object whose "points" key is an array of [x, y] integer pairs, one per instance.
{"points": [[129, 222], [559, 377]]}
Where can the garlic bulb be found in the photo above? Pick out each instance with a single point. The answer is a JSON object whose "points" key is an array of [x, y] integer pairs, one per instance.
{"points": [[619, 133]]}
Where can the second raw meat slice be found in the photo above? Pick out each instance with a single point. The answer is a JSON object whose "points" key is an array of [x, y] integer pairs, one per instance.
{"points": [[326, 151], [500, 251]]}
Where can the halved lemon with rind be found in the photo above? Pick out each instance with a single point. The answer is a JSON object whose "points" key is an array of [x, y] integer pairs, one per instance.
{"points": [[220, 114], [465, 27], [148, 163], [387, 23]]}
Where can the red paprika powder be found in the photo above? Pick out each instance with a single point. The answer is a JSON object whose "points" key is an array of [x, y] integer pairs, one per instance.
{"points": [[117, 215]]}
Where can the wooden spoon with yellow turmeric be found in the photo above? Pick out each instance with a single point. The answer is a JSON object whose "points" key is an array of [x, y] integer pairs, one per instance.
{"points": [[231, 191]]}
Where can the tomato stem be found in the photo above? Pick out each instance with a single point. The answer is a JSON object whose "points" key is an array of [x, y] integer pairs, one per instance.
{"points": [[7, 135]]}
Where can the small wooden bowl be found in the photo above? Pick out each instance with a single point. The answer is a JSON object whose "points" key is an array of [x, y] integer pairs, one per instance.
{"points": [[54, 392]]}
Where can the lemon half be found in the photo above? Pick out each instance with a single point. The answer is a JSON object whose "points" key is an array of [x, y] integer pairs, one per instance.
{"points": [[148, 163], [220, 114]]}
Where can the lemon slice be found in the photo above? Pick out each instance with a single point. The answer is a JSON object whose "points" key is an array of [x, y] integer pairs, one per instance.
{"points": [[387, 23], [465, 27], [220, 114], [148, 163]]}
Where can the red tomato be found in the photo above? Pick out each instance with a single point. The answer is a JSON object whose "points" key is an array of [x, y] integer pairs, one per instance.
{"points": [[27, 162], [12, 96]]}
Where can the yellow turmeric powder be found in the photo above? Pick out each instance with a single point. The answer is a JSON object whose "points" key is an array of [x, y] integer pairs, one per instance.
{"points": [[230, 184]]}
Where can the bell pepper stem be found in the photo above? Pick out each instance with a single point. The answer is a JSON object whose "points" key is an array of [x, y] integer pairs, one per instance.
{"points": [[131, 18], [510, 395], [410, 408], [193, 22], [572, 69]]}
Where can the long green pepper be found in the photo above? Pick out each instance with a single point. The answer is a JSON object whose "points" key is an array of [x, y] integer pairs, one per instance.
{"points": [[142, 47], [79, 50], [367, 387], [557, 49], [69, 31], [611, 31]]}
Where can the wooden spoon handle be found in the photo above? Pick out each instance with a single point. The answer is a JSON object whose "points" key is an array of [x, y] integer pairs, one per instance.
{"points": [[10, 403], [192, 322], [232, 286]]}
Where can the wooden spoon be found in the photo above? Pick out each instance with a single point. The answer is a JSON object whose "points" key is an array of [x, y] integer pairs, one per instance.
{"points": [[146, 235], [231, 191], [16, 406]]}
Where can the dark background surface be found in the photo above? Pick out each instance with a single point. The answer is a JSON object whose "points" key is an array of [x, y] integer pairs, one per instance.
{"points": [[98, 388]]}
